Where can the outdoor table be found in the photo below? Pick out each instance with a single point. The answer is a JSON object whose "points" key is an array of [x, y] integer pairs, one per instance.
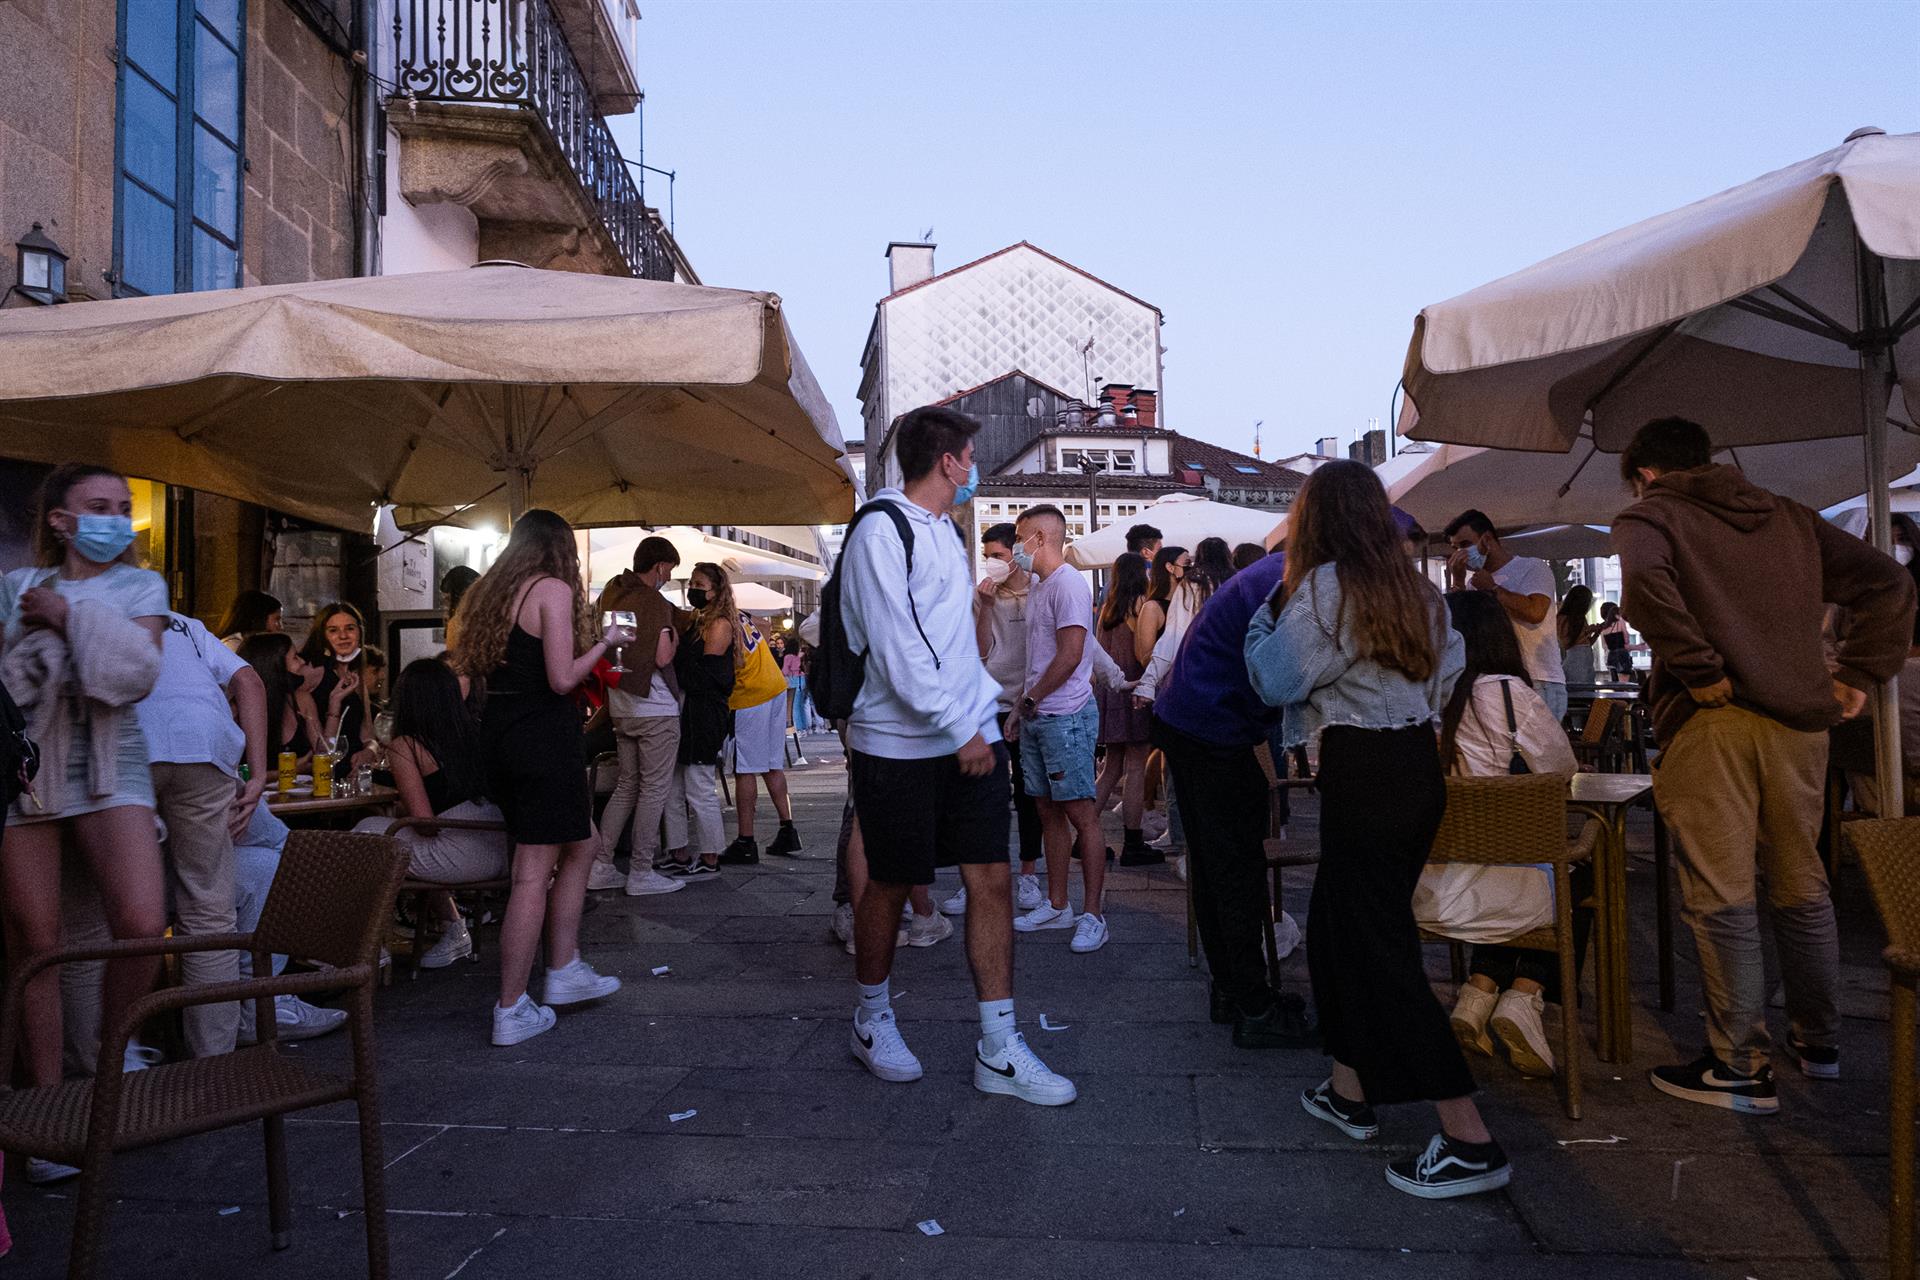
{"points": [[1606, 797], [292, 806]]}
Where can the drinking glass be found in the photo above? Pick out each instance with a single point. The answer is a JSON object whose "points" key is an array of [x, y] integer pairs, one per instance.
{"points": [[617, 618]]}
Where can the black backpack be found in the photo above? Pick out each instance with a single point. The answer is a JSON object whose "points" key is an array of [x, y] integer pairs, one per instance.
{"points": [[836, 672]]}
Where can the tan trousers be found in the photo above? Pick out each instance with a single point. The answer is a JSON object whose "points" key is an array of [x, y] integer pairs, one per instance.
{"points": [[1743, 795], [648, 746]]}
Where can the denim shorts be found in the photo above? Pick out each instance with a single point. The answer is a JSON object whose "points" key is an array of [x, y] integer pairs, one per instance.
{"points": [[1056, 753]]}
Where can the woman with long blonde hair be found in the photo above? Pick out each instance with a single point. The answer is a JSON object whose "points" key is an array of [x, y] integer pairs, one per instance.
{"points": [[1355, 647], [525, 629]]}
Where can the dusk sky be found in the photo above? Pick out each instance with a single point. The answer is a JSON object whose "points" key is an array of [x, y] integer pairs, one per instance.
{"points": [[1288, 183]]}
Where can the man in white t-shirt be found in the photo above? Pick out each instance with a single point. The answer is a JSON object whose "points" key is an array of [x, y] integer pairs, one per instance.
{"points": [[1525, 589]]}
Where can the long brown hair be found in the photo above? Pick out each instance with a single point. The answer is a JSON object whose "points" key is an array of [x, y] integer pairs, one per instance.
{"points": [[1342, 518], [540, 546], [49, 550], [1160, 582], [316, 649], [719, 606], [1492, 650], [1129, 588]]}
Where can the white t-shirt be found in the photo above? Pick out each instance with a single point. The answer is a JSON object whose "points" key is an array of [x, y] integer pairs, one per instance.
{"points": [[186, 718], [624, 705], [1539, 645]]}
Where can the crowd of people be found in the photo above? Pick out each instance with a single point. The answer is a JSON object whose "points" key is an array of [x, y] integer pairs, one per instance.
{"points": [[972, 712]]}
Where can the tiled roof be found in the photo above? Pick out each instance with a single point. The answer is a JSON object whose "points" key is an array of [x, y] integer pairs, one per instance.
{"points": [[1071, 482], [1023, 244], [1224, 464]]}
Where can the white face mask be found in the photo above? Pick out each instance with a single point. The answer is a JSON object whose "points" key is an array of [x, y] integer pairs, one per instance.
{"points": [[1902, 552], [998, 571], [347, 657]]}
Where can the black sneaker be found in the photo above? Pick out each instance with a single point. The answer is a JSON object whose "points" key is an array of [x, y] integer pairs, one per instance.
{"points": [[1283, 1024], [1136, 852], [786, 842], [1817, 1062], [1355, 1119], [1220, 1007], [1711, 1082], [1450, 1167], [741, 853], [699, 870]]}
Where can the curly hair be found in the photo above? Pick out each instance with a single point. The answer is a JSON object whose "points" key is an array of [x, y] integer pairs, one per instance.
{"points": [[540, 546], [719, 606]]}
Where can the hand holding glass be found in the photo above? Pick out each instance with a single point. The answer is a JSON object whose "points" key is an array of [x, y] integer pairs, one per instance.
{"points": [[617, 629]]}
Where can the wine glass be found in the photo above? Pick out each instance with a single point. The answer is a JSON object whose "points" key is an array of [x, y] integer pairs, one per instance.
{"points": [[618, 618]]}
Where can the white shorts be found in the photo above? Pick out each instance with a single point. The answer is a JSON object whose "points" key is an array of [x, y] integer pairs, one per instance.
{"points": [[760, 737]]}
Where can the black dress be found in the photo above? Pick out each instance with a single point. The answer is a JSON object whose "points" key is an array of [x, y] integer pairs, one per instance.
{"points": [[535, 750]]}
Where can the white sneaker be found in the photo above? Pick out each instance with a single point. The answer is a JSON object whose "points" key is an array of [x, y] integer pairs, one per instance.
{"points": [[139, 1057], [650, 881], [42, 1173], [1163, 842], [578, 982], [1090, 934], [1516, 1023], [843, 922], [1180, 867], [1469, 1019], [1045, 916], [523, 1021], [1015, 1070], [878, 1045], [455, 943], [605, 876], [1027, 893], [899, 939], [295, 1019], [1286, 936], [927, 930], [957, 904]]}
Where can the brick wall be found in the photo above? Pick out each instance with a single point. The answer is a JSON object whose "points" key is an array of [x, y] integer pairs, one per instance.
{"points": [[57, 142]]}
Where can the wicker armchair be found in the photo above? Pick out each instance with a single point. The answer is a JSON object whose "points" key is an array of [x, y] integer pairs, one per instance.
{"points": [[328, 904], [1601, 742], [1889, 850], [1522, 821], [418, 890]]}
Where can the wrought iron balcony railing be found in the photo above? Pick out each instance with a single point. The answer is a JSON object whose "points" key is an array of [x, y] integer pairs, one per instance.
{"points": [[514, 53]]}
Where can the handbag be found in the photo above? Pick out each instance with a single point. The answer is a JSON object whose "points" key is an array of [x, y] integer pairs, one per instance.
{"points": [[1516, 763], [756, 678], [19, 757]]}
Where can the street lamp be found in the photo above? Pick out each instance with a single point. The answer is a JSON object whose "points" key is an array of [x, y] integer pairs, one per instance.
{"points": [[1092, 467], [41, 268]]}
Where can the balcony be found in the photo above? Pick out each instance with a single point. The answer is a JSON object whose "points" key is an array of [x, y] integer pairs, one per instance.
{"points": [[495, 114]]}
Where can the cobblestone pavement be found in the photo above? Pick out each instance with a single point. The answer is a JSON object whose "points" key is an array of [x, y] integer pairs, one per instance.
{"points": [[563, 1156]]}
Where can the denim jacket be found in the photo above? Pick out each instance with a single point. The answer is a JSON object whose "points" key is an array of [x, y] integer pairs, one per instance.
{"points": [[1298, 663]]}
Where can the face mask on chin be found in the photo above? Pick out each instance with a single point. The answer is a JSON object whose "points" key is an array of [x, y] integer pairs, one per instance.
{"points": [[345, 659], [1903, 553]]}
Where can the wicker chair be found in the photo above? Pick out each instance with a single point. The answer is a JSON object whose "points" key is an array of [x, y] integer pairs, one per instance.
{"points": [[1889, 850], [1601, 742], [328, 904], [418, 891], [1522, 821]]}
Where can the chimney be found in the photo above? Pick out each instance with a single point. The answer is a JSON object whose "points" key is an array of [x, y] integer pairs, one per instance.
{"points": [[1147, 403], [1074, 416], [908, 263], [1327, 446], [1118, 394]]}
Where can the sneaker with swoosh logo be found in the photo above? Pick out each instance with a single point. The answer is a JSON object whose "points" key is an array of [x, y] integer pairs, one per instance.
{"points": [[1711, 1082], [1018, 1072], [881, 1049]]}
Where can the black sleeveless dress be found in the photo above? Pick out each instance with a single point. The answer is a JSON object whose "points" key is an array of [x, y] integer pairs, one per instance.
{"points": [[535, 750]]}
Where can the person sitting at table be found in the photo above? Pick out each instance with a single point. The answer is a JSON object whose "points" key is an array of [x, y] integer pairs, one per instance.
{"points": [[439, 772], [335, 645], [1576, 635], [256, 860], [294, 722], [250, 612], [1493, 724]]}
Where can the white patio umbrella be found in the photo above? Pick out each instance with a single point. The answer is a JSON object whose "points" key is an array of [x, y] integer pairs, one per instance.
{"points": [[1785, 309], [610, 400], [1183, 519], [751, 597]]}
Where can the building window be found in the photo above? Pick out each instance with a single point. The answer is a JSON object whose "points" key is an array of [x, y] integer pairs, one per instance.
{"points": [[1123, 460], [181, 102]]}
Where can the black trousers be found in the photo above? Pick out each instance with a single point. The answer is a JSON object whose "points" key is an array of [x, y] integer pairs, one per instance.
{"points": [[1026, 810], [1223, 804], [1381, 800]]}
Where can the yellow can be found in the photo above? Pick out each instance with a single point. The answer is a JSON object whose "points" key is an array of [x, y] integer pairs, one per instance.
{"points": [[322, 775], [289, 770]]}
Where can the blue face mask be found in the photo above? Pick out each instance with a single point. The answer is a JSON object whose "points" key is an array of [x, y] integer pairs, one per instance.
{"points": [[964, 494], [1023, 558], [102, 539], [1476, 558]]}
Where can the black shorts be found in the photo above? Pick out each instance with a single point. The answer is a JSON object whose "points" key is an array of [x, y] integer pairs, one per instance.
{"points": [[916, 815]]}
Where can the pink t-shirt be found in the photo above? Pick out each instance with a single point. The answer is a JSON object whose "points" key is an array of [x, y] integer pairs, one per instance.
{"points": [[790, 665]]}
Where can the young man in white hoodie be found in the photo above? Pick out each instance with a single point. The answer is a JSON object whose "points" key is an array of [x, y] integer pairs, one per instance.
{"points": [[925, 759]]}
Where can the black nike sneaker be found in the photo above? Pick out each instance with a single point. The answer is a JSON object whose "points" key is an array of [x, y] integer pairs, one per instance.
{"points": [[1711, 1082]]}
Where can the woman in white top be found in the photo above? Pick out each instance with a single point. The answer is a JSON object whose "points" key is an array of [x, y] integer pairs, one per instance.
{"points": [[1494, 724]]}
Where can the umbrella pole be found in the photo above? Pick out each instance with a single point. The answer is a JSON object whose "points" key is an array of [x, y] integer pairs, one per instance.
{"points": [[1876, 388], [517, 483]]}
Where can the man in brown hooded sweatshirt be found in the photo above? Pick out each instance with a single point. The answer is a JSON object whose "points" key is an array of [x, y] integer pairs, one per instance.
{"points": [[1728, 585]]}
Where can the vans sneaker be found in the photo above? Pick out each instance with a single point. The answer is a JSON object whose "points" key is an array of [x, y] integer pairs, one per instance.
{"points": [[1450, 1167], [523, 1021], [1516, 1024], [1355, 1119], [1018, 1072], [577, 982], [1044, 916], [880, 1048], [1711, 1082]]}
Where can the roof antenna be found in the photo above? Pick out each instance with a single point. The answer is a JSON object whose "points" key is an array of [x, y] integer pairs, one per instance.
{"points": [[926, 237]]}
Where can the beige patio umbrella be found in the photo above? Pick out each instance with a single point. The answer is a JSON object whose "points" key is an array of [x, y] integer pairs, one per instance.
{"points": [[608, 399], [1776, 311], [1183, 519]]}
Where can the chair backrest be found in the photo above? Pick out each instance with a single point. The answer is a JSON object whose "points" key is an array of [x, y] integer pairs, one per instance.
{"points": [[1889, 849], [1513, 818], [331, 896], [1599, 721]]}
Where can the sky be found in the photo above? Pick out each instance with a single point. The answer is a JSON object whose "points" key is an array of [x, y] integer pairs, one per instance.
{"points": [[1288, 183]]}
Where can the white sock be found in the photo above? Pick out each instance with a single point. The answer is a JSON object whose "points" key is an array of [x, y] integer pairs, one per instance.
{"points": [[874, 1001], [996, 1024]]}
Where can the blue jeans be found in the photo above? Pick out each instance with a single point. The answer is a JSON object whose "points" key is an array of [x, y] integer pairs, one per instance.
{"points": [[1555, 696], [1056, 753]]}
